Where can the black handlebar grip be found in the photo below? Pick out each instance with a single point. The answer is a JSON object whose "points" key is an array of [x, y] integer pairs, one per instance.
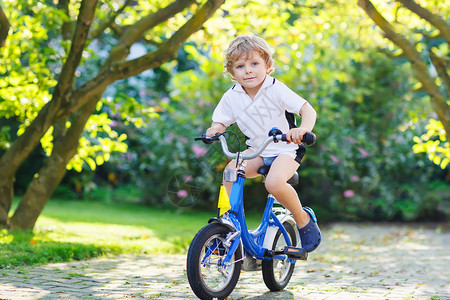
{"points": [[309, 139]]}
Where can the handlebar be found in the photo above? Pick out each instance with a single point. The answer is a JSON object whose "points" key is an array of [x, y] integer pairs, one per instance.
{"points": [[308, 139]]}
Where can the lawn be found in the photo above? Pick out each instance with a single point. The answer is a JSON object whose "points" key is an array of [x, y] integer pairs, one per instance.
{"points": [[75, 230]]}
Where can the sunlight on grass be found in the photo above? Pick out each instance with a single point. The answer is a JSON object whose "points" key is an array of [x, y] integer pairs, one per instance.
{"points": [[112, 238], [74, 230]]}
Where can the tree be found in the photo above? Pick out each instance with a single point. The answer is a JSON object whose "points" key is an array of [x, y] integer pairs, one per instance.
{"points": [[427, 51], [73, 103], [360, 169], [4, 27]]}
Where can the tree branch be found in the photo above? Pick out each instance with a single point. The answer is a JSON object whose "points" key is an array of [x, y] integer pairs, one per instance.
{"points": [[425, 14], [137, 31], [107, 23], [68, 26], [168, 50], [441, 69], [125, 69], [389, 53], [419, 66], [87, 12], [4, 27]]}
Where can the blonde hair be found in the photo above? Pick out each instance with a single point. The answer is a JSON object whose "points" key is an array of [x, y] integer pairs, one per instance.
{"points": [[244, 44]]}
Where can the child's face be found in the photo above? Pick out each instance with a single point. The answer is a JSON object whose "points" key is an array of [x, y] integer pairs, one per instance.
{"points": [[250, 71]]}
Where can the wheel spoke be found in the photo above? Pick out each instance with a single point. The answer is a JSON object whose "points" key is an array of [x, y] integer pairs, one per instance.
{"points": [[217, 277], [277, 273]]}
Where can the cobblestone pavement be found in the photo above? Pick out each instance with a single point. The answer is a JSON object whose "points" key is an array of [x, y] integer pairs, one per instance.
{"points": [[362, 261]]}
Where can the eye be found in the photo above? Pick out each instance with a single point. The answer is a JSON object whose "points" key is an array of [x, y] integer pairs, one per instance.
{"points": [[239, 66], [255, 63]]}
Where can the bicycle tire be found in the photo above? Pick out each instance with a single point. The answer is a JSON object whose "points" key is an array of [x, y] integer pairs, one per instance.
{"points": [[276, 273], [206, 251]]}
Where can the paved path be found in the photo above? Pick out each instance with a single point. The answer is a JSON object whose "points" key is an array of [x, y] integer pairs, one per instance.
{"points": [[354, 262]]}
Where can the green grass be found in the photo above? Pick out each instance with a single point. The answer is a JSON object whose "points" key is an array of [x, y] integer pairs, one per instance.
{"points": [[75, 230]]}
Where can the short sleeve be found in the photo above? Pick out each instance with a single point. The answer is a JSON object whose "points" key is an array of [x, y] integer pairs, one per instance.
{"points": [[291, 101], [223, 112]]}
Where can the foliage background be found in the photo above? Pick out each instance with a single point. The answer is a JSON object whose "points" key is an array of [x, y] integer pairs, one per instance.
{"points": [[139, 145]]}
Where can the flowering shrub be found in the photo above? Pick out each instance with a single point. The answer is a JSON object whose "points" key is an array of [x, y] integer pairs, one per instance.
{"points": [[362, 167]]}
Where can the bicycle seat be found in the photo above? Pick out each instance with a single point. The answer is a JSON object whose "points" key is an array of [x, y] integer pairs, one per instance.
{"points": [[265, 169]]}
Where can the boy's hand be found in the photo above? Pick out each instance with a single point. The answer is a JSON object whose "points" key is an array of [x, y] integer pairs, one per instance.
{"points": [[214, 129], [295, 135]]}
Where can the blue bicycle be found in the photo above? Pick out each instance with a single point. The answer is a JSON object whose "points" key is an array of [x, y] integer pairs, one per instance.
{"points": [[222, 248]]}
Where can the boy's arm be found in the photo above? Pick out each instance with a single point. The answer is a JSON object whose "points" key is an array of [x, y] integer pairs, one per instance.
{"points": [[309, 116], [216, 127]]}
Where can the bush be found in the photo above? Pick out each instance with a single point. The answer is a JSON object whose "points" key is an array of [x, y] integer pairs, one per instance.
{"points": [[362, 167]]}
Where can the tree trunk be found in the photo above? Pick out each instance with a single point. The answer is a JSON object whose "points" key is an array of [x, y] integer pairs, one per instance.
{"points": [[4, 27], [6, 192], [56, 108], [16, 155], [52, 172]]}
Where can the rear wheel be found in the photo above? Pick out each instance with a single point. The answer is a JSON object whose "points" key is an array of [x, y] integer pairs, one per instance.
{"points": [[207, 277], [277, 273]]}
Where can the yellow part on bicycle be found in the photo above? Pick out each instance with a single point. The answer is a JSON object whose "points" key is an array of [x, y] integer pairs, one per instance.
{"points": [[224, 202]]}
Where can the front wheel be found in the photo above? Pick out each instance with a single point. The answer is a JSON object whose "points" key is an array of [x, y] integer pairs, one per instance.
{"points": [[207, 277], [277, 273]]}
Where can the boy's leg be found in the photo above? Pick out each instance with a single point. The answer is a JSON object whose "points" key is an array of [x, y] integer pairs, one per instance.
{"points": [[251, 170], [281, 170]]}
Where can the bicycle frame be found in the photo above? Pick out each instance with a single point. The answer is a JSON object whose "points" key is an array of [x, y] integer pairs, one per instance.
{"points": [[252, 241], [235, 218]]}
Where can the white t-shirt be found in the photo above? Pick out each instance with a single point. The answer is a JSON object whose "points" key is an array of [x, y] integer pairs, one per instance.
{"points": [[256, 117]]}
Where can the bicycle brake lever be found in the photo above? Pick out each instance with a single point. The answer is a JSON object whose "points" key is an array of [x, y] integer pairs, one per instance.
{"points": [[206, 139]]}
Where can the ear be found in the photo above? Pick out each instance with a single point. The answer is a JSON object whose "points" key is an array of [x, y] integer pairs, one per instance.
{"points": [[269, 69]]}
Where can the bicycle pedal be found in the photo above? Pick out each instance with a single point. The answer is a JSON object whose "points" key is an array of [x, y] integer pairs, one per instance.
{"points": [[295, 253]]}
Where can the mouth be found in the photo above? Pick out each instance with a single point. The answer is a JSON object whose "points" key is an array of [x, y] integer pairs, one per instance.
{"points": [[250, 78]]}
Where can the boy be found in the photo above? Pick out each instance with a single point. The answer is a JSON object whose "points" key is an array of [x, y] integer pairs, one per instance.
{"points": [[256, 103]]}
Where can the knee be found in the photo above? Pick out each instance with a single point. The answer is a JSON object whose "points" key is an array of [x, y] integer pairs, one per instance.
{"points": [[274, 186]]}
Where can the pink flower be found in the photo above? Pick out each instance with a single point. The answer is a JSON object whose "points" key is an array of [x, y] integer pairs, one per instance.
{"points": [[169, 138], [334, 159], [184, 140], [363, 152], [187, 178], [350, 140], [182, 193], [349, 193], [354, 178], [198, 151], [202, 102]]}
